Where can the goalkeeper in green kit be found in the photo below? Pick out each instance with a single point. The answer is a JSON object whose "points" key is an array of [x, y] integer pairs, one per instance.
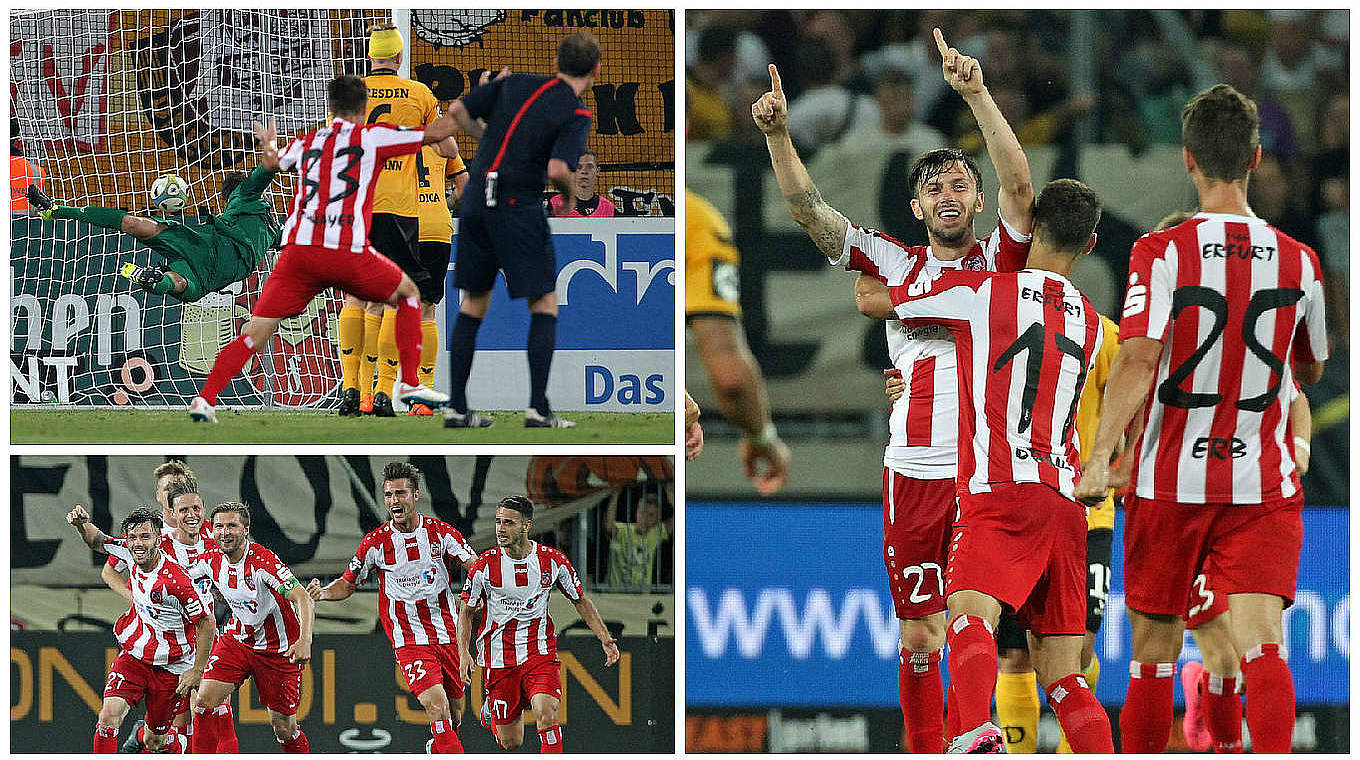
{"points": [[200, 257]]}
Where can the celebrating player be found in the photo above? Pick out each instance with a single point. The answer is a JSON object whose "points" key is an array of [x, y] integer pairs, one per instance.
{"points": [[535, 131], [400, 102], [165, 636], [166, 474], [410, 554], [1019, 540], [516, 642], [200, 257], [1222, 313], [325, 240], [269, 638], [921, 459]]}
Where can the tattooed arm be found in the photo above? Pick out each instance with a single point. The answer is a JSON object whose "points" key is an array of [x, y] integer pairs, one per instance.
{"points": [[822, 223]]}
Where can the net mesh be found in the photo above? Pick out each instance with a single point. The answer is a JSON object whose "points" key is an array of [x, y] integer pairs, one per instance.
{"points": [[104, 102]]}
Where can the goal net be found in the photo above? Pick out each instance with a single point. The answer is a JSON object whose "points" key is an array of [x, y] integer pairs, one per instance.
{"points": [[104, 102]]}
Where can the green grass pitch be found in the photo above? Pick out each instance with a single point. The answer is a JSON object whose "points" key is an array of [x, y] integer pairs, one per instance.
{"points": [[136, 426]]}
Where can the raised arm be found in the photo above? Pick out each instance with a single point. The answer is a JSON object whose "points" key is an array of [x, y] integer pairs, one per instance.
{"points": [[1015, 195], [592, 619], [822, 223], [268, 135], [93, 537]]}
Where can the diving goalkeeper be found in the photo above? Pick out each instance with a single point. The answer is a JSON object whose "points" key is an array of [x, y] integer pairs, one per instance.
{"points": [[200, 257]]}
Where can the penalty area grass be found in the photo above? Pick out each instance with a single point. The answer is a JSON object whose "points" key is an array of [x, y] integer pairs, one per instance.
{"points": [[133, 426]]}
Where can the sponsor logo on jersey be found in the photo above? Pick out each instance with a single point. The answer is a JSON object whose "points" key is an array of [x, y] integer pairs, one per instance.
{"points": [[1218, 448], [251, 606], [430, 575], [1043, 457]]}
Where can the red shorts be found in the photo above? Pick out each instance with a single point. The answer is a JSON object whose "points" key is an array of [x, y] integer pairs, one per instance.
{"points": [[427, 665], [917, 515], [131, 679], [278, 681], [1184, 559], [1024, 544], [509, 689], [302, 271]]}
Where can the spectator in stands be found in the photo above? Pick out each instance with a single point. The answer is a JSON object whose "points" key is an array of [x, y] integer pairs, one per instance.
{"points": [[633, 546], [22, 172], [1331, 180], [1273, 196], [1294, 62], [584, 201], [1239, 68], [827, 109], [708, 84]]}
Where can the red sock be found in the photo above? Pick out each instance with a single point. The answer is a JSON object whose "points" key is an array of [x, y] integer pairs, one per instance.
{"points": [[1222, 711], [105, 740], [204, 739], [445, 738], [1145, 719], [921, 693], [227, 744], [972, 670], [228, 364], [409, 340], [297, 744], [550, 740], [1270, 699], [1083, 720]]}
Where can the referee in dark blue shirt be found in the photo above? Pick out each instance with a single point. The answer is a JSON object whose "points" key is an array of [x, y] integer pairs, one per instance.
{"points": [[535, 129]]}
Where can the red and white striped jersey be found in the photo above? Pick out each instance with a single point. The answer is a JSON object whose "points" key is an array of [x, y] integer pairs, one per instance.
{"points": [[158, 628], [256, 589], [415, 596], [515, 624], [1025, 342], [1235, 303], [183, 555], [924, 424], [339, 166]]}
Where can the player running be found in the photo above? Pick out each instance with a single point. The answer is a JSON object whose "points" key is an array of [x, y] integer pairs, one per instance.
{"points": [[411, 555], [1019, 540], [325, 240], [200, 257], [516, 640], [535, 131], [269, 638], [1222, 313], [165, 636], [921, 460]]}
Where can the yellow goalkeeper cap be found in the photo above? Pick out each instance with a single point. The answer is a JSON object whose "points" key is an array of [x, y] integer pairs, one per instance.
{"points": [[384, 43]]}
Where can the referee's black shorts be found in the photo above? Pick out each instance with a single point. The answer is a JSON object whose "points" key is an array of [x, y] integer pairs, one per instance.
{"points": [[398, 238], [512, 238]]}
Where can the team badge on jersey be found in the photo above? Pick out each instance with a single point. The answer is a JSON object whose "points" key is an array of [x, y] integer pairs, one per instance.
{"points": [[975, 262], [156, 596], [250, 582], [546, 579]]}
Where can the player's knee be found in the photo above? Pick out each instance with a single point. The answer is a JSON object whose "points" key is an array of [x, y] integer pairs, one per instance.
{"points": [[546, 715], [509, 741], [436, 704], [544, 304], [406, 289], [922, 639]]}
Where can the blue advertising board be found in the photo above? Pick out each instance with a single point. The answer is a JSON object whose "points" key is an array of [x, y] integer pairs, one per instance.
{"points": [[790, 607], [615, 329]]}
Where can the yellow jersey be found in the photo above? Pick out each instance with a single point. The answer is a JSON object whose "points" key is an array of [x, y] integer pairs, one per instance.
{"points": [[712, 282], [432, 173], [1088, 416], [400, 102]]}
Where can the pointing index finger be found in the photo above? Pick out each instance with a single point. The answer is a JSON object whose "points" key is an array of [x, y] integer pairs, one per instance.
{"points": [[940, 43], [776, 85]]}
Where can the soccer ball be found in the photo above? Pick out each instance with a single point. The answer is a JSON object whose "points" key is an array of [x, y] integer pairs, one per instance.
{"points": [[170, 193]]}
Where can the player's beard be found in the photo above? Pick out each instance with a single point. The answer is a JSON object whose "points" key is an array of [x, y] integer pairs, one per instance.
{"points": [[951, 238]]}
